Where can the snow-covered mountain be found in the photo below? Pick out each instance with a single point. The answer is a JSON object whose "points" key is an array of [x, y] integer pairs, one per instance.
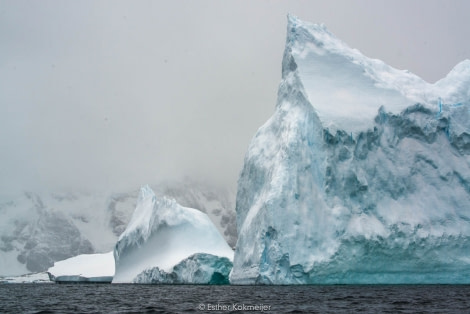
{"points": [[362, 174], [38, 229]]}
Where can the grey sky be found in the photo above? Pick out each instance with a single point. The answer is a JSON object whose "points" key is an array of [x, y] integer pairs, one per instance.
{"points": [[115, 94]]}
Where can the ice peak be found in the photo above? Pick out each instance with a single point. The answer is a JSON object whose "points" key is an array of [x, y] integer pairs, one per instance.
{"points": [[460, 72], [455, 87], [347, 88], [293, 21], [145, 193]]}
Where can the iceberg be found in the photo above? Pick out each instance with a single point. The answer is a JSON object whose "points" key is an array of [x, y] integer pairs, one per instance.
{"points": [[162, 234], [362, 174], [84, 268], [199, 268]]}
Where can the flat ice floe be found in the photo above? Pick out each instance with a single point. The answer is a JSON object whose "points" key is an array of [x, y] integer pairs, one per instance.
{"points": [[85, 268]]}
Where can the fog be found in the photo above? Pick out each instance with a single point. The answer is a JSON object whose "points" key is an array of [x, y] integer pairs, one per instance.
{"points": [[115, 94]]}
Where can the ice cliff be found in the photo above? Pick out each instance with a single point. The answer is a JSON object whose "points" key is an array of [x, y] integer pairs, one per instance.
{"points": [[162, 236], [362, 174]]}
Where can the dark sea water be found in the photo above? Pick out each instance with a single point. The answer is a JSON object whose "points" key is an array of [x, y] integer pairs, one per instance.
{"points": [[105, 298]]}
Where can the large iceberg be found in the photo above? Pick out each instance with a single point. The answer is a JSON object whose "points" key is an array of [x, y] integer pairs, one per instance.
{"points": [[162, 235], [361, 175]]}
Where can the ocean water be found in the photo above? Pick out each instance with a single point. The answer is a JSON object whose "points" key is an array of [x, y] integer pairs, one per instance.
{"points": [[106, 298]]}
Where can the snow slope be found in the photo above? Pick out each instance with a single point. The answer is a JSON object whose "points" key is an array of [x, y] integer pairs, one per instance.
{"points": [[361, 175], [161, 234]]}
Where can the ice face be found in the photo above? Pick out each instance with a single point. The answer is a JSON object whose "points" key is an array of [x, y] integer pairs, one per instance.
{"points": [[161, 234], [369, 188]]}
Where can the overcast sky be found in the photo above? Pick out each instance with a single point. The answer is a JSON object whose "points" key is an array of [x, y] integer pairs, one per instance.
{"points": [[115, 94]]}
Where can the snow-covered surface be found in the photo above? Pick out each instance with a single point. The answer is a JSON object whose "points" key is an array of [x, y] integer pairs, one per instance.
{"points": [[161, 234], [362, 175], [28, 278], [346, 88], [85, 266]]}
